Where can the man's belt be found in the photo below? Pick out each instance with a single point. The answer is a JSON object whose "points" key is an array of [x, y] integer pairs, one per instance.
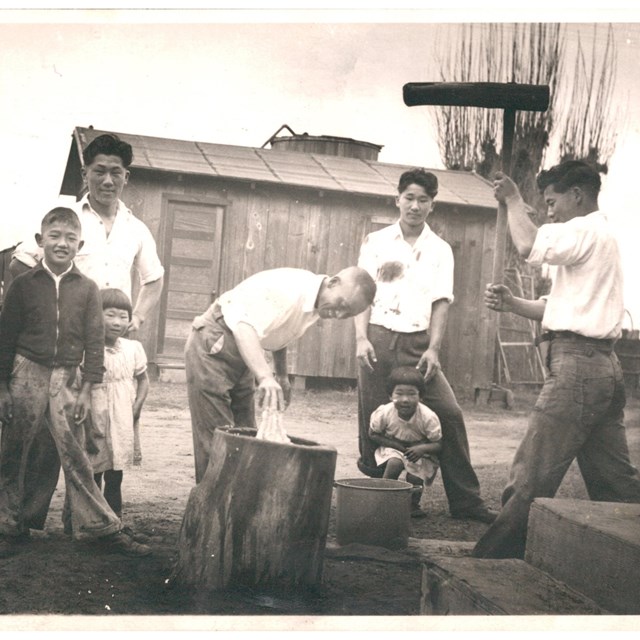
{"points": [[573, 337]]}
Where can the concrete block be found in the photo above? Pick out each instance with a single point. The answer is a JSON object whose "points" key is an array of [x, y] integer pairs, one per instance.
{"points": [[473, 586], [593, 547]]}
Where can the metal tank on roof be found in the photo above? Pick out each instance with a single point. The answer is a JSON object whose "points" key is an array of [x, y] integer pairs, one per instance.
{"points": [[325, 145]]}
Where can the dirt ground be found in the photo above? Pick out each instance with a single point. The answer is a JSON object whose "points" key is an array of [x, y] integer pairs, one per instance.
{"points": [[54, 579]]}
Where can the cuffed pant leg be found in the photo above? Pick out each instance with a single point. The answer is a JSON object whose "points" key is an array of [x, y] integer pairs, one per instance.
{"points": [[41, 479], [28, 389], [458, 476], [554, 437], [540, 463], [91, 516]]}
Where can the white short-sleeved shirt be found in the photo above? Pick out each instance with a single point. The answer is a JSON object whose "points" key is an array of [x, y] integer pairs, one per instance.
{"points": [[409, 279], [278, 303], [108, 260], [587, 292], [424, 424]]}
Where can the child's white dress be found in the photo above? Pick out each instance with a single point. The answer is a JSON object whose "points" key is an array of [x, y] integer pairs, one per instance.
{"points": [[423, 425], [112, 406]]}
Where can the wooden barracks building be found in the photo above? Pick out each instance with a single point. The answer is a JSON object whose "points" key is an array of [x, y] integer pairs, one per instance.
{"points": [[220, 213]]}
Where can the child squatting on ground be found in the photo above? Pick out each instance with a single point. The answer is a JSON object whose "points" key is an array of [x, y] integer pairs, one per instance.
{"points": [[51, 322], [407, 433], [116, 403]]}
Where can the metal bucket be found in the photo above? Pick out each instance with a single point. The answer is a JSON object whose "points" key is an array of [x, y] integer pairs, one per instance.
{"points": [[373, 511]]}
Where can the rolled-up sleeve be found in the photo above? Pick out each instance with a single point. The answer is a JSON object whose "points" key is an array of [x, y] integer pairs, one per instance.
{"points": [[367, 259], [442, 286], [147, 261], [561, 244]]}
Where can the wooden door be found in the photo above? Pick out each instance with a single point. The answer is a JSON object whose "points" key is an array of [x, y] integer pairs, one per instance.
{"points": [[192, 252]]}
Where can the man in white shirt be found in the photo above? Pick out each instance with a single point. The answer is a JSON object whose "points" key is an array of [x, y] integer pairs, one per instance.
{"points": [[579, 412], [224, 353], [413, 270], [115, 241]]}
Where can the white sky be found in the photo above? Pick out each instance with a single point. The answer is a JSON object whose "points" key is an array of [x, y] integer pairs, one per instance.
{"points": [[235, 77]]}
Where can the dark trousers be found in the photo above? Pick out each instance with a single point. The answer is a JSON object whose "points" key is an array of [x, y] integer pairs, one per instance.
{"points": [[220, 386], [578, 415], [395, 349], [112, 488], [41, 478]]}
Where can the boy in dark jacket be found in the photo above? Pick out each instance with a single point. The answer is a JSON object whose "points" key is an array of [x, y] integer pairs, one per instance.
{"points": [[51, 322]]}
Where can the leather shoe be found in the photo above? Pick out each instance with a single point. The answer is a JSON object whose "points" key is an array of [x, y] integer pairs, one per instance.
{"points": [[142, 538], [482, 514], [122, 543]]}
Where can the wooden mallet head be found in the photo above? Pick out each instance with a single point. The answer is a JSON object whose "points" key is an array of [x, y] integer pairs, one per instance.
{"points": [[509, 96], [490, 95]]}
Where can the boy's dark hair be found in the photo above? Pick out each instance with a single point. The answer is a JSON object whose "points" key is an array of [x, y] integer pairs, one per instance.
{"points": [[572, 173], [64, 215], [405, 375], [110, 145], [425, 179], [116, 299]]}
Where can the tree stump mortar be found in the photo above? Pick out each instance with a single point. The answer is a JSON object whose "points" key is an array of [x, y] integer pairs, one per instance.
{"points": [[259, 516]]}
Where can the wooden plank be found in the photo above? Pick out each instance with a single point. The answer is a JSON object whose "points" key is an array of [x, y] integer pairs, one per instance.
{"points": [[452, 231], [277, 239], [193, 235], [234, 238], [200, 263], [189, 248], [473, 586], [191, 275], [193, 302], [174, 347], [193, 287], [297, 237], [592, 546], [256, 233], [180, 314]]}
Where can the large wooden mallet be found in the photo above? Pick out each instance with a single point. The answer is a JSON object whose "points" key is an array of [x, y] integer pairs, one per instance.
{"points": [[509, 96]]}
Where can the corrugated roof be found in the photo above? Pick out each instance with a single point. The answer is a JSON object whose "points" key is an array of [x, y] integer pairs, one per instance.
{"points": [[313, 170]]}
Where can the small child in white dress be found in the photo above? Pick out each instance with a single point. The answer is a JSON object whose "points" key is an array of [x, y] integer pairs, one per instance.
{"points": [[408, 434], [117, 402]]}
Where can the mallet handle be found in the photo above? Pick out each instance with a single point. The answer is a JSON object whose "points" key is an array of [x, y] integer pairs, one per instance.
{"points": [[508, 129]]}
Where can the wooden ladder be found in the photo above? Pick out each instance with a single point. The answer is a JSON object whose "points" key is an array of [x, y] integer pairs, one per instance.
{"points": [[521, 345]]}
